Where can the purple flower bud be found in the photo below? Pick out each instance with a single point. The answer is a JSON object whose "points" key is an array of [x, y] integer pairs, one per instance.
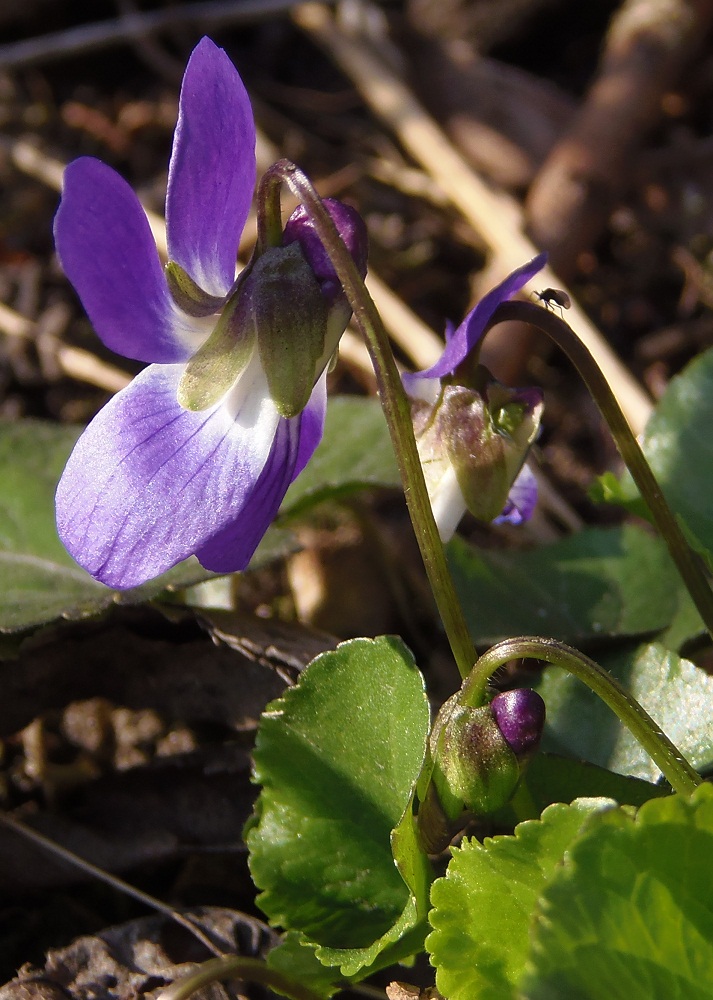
{"points": [[520, 716], [479, 755], [350, 227]]}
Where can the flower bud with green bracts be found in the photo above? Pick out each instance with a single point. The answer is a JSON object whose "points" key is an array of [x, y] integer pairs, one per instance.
{"points": [[478, 756]]}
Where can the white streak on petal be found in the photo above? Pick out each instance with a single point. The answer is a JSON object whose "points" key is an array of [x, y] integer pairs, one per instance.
{"points": [[447, 503]]}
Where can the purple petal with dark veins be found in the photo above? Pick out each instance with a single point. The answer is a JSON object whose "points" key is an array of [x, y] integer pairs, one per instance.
{"points": [[522, 499], [233, 547], [294, 445], [107, 251], [150, 483], [212, 172], [462, 341]]}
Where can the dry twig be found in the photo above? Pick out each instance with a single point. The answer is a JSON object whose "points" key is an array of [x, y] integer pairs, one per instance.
{"points": [[90, 37], [648, 45], [493, 215], [74, 362], [415, 339]]}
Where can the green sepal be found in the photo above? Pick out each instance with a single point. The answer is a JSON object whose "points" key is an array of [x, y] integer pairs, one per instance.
{"points": [[338, 316], [189, 296], [290, 314], [223, 357], [483, 435], [488, 440], [474, 764]]}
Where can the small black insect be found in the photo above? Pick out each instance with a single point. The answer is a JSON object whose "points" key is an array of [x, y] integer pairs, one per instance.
{"points": [[551, 297]]}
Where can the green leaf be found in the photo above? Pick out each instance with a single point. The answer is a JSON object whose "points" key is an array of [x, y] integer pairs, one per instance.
{"points": [[409, 857], [630, 913], [482, 908], [549, 778], [338, 756], [32, 456], [686, 625], [39, 580], [404, 938], [676, 693], [679, 446], [355, 453], [600, 582], [296, 959]]}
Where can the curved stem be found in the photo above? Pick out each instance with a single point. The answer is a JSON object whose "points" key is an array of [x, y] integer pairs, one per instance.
{"points": [[236, 967], [667, 757], [269, 213], [396, 409], [688, 562]]}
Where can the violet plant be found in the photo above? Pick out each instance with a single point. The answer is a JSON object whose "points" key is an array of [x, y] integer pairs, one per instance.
{"points": [[360, 793]]}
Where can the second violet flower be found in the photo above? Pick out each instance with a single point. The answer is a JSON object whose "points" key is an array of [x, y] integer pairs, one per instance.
{"points": [[196, 454], [473, 434]]}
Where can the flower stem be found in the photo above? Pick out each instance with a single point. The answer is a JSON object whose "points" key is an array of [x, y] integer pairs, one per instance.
{"points": [[396, 409], [236, 967], [668, 758], [688, 562], [269, 214]]}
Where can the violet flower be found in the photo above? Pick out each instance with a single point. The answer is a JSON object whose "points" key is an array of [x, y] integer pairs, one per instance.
{"points": [[151, 482], [472, 433]]}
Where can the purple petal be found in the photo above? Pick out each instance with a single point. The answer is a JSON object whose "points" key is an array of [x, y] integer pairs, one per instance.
{"points": [[294, 445], [522, 499], [311, 424], [350, 226], [107, 251], [520, 715], [233, 547], [212, 172], [462, 341], [150, 483]]}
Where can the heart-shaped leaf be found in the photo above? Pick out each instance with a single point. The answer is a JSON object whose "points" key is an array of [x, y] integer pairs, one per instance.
{"points": [[338, 756], [630, 912], [483, 907], [676, 693], [600, 582]]}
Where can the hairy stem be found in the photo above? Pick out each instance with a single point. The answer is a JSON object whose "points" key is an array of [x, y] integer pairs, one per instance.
{"points": [[668, 758], [396, 409]]}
